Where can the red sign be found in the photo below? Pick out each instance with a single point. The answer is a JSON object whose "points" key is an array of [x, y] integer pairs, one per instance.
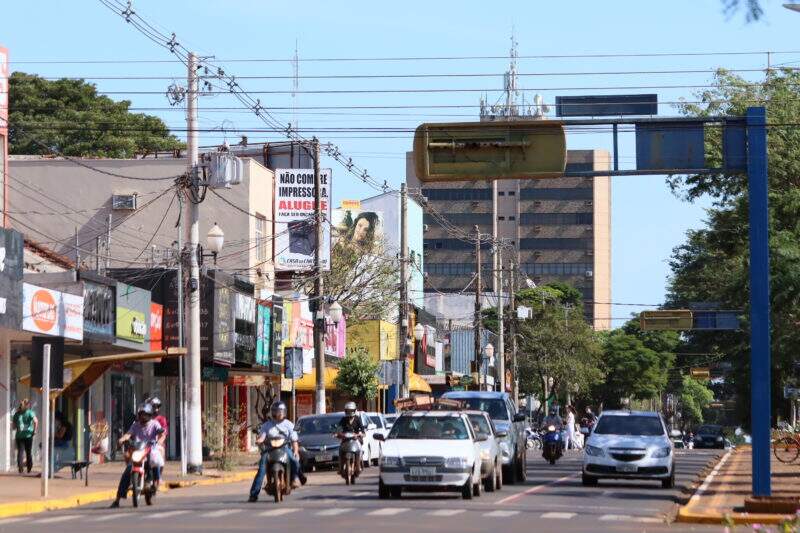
{"points": [[156, 327]]}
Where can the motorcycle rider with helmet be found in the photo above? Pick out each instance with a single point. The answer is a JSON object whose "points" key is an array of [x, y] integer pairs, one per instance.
{"points": [[160, 452], [144, 428], [350, 423], [278, 422]]}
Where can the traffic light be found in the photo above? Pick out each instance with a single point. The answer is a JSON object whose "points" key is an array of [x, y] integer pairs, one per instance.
{"points": [[462, 151], [700, 372], [666, 319]]}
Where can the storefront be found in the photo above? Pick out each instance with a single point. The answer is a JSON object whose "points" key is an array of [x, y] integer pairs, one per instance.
{"points": [[11, 250]]}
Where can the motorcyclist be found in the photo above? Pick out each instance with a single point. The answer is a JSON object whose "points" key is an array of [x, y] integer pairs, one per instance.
{"points": [[591, 418], [158, 456], [350, 423], [285, 427], [552, 419], [144, 429]]}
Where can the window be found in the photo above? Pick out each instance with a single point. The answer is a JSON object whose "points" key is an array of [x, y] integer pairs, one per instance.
{"points": [[460, 219], [430, 427], [501, 218], [559, 219], [583, 193], [500, 193], [497, 409], [649, 426], [512, 193], [512, 217], [556, 269], [555, 244], [453, 244], [454, 269], [261, 238], [457, 194], [438, 245]]}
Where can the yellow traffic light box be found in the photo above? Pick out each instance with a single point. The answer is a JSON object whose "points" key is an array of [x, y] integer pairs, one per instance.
{"points": [[666, 319], [701, 372], [510, 149]]}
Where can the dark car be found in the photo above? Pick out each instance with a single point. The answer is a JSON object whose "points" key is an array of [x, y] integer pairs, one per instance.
{"points": [[709, 436], [318, 445]]}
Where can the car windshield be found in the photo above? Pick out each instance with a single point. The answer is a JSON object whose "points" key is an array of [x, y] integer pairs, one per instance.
{"points": [[480, 424], [649, 426], [318, 424], [376, 420], [429, 427], [709, 430], [495, 407]]}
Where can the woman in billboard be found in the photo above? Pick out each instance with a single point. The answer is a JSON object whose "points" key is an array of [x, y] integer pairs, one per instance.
{"points": [[364, 229]]}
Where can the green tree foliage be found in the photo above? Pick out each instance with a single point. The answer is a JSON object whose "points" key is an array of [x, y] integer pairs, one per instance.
{"points": [[694, 397], [358, 375], [69, 117], [713, 264], [752, 8]]}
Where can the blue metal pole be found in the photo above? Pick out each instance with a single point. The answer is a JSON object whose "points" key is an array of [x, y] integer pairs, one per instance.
{"points": [[759, 298]]}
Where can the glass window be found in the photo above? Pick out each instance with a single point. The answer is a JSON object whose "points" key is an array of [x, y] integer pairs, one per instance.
{"points": [[512, 193], [555, 244], [501, 218], [649, 426], [480, 424], [313, 425], [377, 421], [512, 217], [429, 427], [585, 219], [500, 193], [457, 194], [557, 193], [261, 238], [496, 408]]}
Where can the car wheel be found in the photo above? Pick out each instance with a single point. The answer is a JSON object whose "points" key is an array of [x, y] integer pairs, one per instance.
{"points": [[588, 481], [368, 462], [466, 490], [490, 483], [499, 472], [509, 473], [522, 469], [396, 492], [384, 493], [669, 483]]}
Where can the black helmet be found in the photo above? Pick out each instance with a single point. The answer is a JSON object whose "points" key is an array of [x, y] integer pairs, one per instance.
{"points": [[278, 407]]}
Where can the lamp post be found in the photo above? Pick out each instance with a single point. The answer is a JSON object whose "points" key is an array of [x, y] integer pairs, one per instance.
{"points": [[215, 239], [488, 353]]}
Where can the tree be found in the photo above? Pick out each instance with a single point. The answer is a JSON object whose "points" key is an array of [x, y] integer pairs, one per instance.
{"points": [[68, 116], [694, 397], [358, 375], [752, 8]]}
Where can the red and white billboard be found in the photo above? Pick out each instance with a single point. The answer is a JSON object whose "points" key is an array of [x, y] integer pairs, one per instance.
{"points": [[156, 327], [4, 130]]}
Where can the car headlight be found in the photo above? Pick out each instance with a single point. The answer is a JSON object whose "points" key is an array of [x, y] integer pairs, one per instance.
{"points": [[456, 462], [485, 455], [594, 451], [389, 461], [720, 439], [660, 453]]}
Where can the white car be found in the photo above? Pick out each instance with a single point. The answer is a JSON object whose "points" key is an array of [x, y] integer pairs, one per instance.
{"points": [[491, 453], [629, 445], [433, 451]]}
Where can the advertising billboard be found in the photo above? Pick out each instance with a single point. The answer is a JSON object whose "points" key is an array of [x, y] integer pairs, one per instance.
{"points": [[245, 328], [98, 311], [263, 334], [52, 312], [133, 317], [156, 327], [359, 228], [295, 231]]}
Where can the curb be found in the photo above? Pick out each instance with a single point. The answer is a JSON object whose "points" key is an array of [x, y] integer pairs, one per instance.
{"points": [[8, 510]]}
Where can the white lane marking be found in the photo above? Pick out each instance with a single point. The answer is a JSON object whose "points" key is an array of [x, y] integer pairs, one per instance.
{"points": [[110, 517], [362, 494], [709, 478], [388, 511], [166, 514], [10, 521], [278, 512], [221, 512], [501, 514], [629, 518], [558, 516], [537, 488], [334, 512], [55, 519], [446, 512]]}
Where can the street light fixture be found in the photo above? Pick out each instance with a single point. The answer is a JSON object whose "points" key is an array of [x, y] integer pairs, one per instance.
{"points": [[335, 311], [488, 353], [215, 239], [419, 332]]}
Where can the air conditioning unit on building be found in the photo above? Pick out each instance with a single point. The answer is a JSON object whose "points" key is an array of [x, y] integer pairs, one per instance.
{"points": [[588, 229], [589, 273], [590, 252], [123, 202], [424, 227], [476, 204], [537, 254], [588, 203], [537, 229], [537, 203]]}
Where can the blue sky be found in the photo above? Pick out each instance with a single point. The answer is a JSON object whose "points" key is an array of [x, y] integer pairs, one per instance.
{"points": [[647, 220]]}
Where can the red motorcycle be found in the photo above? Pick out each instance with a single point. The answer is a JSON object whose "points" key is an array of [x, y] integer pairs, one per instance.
{"points": [[143, 482]]}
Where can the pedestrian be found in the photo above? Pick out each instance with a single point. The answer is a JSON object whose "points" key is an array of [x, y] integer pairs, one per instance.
{"points": [[591, 417], [25, 424], [572, 439]]}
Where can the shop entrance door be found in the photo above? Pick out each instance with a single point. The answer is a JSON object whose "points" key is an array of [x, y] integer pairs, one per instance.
{"points": [[123, 407]]}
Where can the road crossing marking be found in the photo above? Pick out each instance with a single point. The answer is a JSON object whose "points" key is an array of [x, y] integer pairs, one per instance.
{"points": [[388, 511], [221, 512], [559, 516], [279, 512], [334, 512], [446, 512], [362, 494], [501, 514], [55, 519], [166, 514], [629, 518], [106, 518], [10, 521], [537, 488]]}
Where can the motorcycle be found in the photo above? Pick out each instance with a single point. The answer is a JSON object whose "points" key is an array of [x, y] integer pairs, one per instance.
{"points": [[552, 445], [278, 483], [143, 482], [349, 456], [533, 440]]}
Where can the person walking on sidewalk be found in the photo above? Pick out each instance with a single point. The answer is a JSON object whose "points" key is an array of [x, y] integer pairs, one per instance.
{"points": [[572, 439], [25, 424]]}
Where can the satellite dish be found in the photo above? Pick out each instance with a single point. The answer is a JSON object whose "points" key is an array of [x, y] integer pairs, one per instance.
{"points": [[541, 109]]}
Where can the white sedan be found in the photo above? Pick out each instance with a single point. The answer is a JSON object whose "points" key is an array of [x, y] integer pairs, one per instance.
{"points": [[431, 451]]}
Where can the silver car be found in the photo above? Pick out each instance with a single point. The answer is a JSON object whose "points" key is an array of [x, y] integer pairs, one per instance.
{"points": [[491, 453]]}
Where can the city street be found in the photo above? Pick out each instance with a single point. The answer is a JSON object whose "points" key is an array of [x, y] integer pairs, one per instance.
{"points": [[553, 497]]}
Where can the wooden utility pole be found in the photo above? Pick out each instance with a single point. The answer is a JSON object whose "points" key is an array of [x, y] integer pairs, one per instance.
{"points": [[319, 304], [478, 354], [512, 331], [402, 337]]}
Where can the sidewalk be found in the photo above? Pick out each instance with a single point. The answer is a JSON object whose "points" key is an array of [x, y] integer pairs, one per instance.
{"points": [[20, 494], [721, 496]]}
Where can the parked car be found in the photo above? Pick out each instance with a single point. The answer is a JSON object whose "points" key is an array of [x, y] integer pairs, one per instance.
{"points": [[390, 420], [629, 444], [380, 427], [434, 451], [501, 410], [491, 455], [318, 443], [709, 436]]}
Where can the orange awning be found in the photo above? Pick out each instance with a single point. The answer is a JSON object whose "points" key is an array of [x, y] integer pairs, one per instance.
{"points": [[309, 381]]}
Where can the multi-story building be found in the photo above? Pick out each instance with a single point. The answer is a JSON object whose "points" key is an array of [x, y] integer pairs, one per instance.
{"points": [[559, 230]]}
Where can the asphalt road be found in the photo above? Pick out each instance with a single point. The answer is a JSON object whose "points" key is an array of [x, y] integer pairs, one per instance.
{"points": [[552, 499]]}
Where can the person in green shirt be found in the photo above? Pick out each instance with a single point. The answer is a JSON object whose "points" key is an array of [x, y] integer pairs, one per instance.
{"points": [[25, 424]]}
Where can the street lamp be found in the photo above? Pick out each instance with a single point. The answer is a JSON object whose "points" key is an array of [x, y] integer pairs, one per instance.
{"points": [[214, 240], [419, 332], [335, 311]]}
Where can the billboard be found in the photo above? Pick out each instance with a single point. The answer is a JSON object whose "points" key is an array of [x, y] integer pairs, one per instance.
{"points": [[156, 326], [359, 228], [263, 334], [295, 231], [52, 312], [133, 317]]}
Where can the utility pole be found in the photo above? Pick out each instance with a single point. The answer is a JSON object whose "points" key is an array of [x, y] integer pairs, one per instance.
{"points": [[181, 373], [194, 419], [501, 351], [478, 354], [404, 287], [108, 243], [512, 331], [319, 304]]}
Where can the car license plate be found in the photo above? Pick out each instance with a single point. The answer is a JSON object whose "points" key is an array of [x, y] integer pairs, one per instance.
{"points": [[627, 468], [423, 471], [324, 457]]}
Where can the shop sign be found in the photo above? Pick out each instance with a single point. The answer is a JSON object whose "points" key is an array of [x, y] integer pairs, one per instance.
{"points": [[156, 327], [11, 259], [52, 312], [131, 325], [295, 230], [217, 374], [223, 323], [245, 328], [305, 404], [247, 380], [280, 331], [98, 311], [133, 316], [335, 338], [263, 334]]}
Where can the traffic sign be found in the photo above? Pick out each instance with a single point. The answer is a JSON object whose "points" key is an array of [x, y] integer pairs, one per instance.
{"points": [[462, 151], [666, 319]]}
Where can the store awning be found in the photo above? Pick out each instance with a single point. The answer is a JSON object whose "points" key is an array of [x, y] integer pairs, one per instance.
{"points": [[308, 382], [79, 374]]}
